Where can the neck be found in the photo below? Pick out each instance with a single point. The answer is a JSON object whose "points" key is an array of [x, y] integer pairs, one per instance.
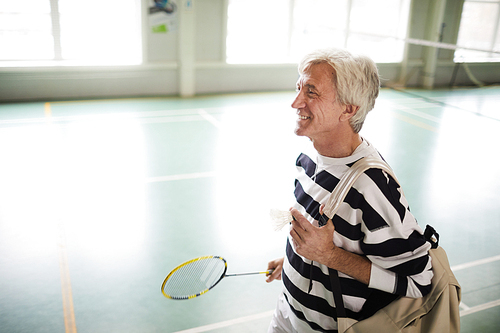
{"points": [[339, 147]]}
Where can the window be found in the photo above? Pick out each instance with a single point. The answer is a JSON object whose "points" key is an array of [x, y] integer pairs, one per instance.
{"points": [[258, 31], [480, 30], [93, 32], [25, 30], [280, 31]]}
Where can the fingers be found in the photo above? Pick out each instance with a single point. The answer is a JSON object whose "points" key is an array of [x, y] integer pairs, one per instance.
{"points": [[275, 275], [299, 220], [301, 226], [277, 266], [322, 209]]}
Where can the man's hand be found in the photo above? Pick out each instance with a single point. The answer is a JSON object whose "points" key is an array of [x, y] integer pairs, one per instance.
{"points": [[277, 266], [311, 242], [316, 243]]}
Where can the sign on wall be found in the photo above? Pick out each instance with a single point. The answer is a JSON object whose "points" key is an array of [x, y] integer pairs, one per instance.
{"points": [[163, 16]]}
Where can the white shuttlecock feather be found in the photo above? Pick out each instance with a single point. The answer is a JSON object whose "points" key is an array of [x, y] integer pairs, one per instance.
{"points": [[280, 218]]}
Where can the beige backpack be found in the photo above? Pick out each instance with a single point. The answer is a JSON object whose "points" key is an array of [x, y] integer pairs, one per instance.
{"points": [[437, 312]]}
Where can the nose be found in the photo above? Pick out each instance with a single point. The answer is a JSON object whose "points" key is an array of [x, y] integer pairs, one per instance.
{"points": [[298, 102]]}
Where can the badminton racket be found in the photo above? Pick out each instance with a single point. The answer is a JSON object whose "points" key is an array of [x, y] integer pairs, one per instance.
{"points": [[197, 276]]}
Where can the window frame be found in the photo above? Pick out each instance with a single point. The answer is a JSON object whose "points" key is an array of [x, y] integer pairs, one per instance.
{"points": [[494, 55], [347, 32], [58, 61]]}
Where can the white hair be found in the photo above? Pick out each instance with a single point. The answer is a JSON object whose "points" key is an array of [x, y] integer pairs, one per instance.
{"points": [[355, 79]]}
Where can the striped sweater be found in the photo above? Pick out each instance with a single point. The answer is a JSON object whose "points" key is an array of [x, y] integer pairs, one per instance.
{"points": [[375, 221]]}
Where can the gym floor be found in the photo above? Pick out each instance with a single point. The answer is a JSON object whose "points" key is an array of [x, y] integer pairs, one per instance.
{"points": [[100, 199]]}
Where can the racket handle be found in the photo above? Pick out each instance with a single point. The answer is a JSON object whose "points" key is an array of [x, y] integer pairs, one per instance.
{"points": [[251, 273]]}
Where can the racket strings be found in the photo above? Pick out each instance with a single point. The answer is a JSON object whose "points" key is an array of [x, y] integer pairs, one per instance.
{"points": [[195, 277]]}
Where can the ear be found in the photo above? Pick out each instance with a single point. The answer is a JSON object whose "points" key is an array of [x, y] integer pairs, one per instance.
{"points": [[349, 112]]}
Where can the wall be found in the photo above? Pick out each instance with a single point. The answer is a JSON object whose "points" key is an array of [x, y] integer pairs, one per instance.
{"points": [[161, 73]]}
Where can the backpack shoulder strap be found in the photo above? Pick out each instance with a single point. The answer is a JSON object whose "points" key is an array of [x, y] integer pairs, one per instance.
{"points": [[349, 178]]}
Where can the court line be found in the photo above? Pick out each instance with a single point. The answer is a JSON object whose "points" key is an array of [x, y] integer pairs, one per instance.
{"points": [[228, 323], [181, 177], [480, 307], [417, 113], [47, 110], [443, 104], [463, 306], [67, 294], [414, 122], [465, 310], [475, 263], [209, 118], [159, 116]]}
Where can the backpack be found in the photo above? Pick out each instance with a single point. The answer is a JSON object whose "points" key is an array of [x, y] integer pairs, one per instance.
{"points": [[437, 312]]}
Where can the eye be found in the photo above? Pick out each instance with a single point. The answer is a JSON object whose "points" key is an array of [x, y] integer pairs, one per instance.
{"points": [[311, 92]]}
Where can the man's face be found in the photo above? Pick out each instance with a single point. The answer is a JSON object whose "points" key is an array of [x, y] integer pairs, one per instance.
{"points": [[317, 107]]}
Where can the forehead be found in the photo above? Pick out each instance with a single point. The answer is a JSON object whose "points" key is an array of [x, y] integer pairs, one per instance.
{"points": [[317, 75]]}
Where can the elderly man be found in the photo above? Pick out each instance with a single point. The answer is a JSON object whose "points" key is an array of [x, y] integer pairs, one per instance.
{"points": [[374, 242]]}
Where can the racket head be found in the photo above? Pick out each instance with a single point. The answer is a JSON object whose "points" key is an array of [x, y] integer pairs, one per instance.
{"points": [[194, 278]]}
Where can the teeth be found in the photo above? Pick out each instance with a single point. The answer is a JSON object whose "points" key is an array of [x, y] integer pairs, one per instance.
{"points": [[303, 117]]}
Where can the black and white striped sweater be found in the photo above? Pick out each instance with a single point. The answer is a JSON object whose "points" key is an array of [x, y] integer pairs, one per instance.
{"points": [[375, 221]]}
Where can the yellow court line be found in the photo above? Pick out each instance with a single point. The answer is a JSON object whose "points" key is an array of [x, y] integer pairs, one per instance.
{"points": [[48, 110], [67, 294]]}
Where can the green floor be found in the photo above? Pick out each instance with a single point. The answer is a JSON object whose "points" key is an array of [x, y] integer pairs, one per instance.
{"points": [[99, 200]]}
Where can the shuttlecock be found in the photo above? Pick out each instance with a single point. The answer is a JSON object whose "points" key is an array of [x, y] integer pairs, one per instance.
{"points": [[280, 218]]}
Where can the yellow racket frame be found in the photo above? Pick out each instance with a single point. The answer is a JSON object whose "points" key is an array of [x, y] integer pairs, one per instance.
{"points": [[187, 263]]}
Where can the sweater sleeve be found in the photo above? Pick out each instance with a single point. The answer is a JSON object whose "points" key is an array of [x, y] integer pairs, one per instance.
{"points": [[393, 241]]}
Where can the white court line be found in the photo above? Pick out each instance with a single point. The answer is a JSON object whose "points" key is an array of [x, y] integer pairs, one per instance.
{"points": [[466, 310], [227, 323], [143, 118], [209, 118], [475, 263], [181, 177], [177, 115], [463, 306], [481, 307]]}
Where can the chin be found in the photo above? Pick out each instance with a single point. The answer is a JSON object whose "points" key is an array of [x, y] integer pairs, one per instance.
{"points": [[299, 132]]}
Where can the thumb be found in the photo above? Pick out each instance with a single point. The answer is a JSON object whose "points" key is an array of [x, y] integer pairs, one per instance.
{"points": [[326, 222], [275, 275], [329, 224]]}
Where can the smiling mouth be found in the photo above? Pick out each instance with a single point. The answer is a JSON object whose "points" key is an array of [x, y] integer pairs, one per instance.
{"points": [[304, 117]]}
